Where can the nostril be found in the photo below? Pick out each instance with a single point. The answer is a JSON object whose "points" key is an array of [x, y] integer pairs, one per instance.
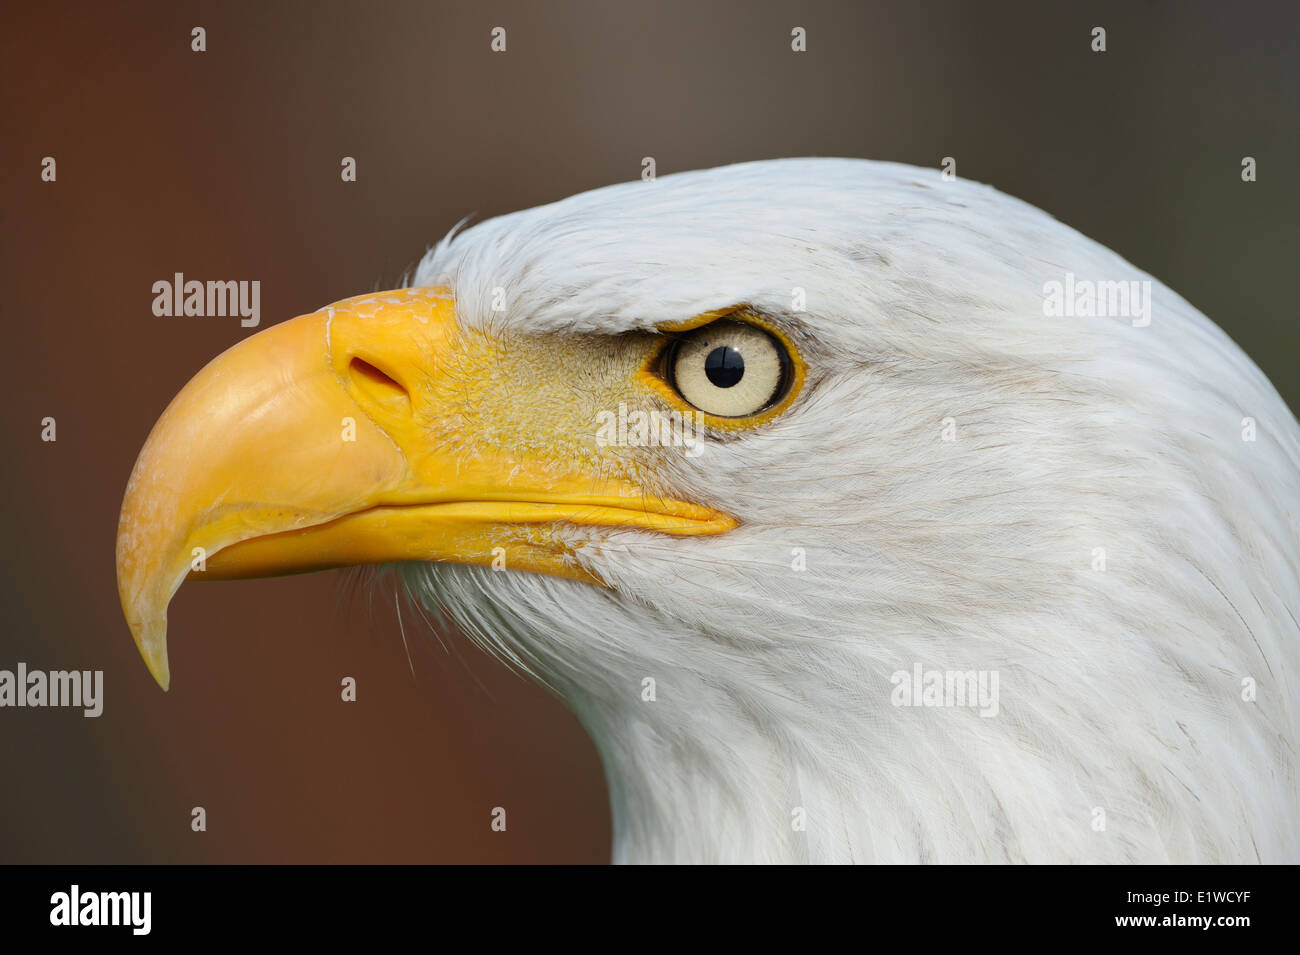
{"points": [[368, 371], [375, 384]]}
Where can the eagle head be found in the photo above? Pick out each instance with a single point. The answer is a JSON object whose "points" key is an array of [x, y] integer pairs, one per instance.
{"points": [[746, 464]]}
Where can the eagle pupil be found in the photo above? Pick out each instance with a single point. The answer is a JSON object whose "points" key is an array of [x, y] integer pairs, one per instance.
{"points": [[724, 366]]}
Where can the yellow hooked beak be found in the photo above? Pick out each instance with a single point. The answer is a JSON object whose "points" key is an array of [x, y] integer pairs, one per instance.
{"points": [[341, 438]]}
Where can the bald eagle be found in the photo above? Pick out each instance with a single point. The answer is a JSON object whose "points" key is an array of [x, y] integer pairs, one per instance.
{"points": [[859, 515]]}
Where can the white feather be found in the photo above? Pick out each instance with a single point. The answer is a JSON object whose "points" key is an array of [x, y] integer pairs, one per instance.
{"points": [[1120, 690]]}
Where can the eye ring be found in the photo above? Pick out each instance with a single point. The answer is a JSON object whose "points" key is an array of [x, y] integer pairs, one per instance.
{"points": [[728, 369]]}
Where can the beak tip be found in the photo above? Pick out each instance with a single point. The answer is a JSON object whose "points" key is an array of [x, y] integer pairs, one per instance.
{"points": [[151, 641]]}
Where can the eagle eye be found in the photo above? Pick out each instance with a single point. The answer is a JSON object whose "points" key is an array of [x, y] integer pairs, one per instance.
{"points": [[727, 368]]}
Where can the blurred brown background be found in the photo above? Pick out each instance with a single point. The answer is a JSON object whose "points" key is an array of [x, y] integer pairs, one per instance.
{"points": [[225, 165]]}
